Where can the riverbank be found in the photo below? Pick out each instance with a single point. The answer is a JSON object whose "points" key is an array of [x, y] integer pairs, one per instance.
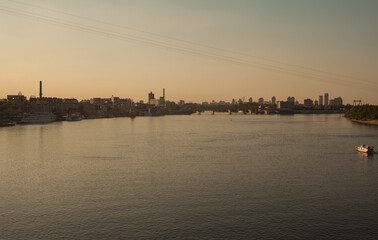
{"points": [[369, 122]]}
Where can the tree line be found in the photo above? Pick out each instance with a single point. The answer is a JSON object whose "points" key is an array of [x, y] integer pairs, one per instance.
{"points": [[364, 113]]}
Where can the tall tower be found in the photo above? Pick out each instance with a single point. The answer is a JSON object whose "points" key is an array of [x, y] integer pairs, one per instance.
{"points": [[40, 89], [151, 96], [164, 95], [326, 99], [273, 100], [320, 100]]}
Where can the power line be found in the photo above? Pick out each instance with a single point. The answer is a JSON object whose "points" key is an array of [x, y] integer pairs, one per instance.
{"points": [[158, 44], [190, 42]]}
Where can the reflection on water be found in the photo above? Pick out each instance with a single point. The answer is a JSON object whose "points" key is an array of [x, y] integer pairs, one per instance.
{"points": [[366, 156], [189, 177]]}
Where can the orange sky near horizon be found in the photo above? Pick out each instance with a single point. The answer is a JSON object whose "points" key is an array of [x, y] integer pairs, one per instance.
{"points": [[197, 50]]}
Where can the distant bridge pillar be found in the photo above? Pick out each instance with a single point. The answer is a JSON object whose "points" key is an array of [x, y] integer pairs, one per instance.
{"points": [[357, 102]]}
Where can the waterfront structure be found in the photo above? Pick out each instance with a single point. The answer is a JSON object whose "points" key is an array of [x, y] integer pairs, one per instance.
{"points": [[320, 100], [326, 97], [36, 117]]}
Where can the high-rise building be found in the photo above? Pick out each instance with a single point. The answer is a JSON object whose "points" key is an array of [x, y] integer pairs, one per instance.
{"points": [[151, 97], [273, 100], [320, 100], [250, 100], [261, 101], [308, 103], [291, 99], [338, 101], [326, 99], [162, 99]]}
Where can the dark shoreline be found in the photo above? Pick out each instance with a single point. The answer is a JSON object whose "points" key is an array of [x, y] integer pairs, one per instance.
{"points": [[368, 122]]}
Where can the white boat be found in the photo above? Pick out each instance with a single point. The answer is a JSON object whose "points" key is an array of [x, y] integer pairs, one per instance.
{"points": [[365, 148], [34, 118]]}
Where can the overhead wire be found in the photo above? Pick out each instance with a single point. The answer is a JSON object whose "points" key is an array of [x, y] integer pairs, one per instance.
{"points": [[184, 41], [160, 44]]}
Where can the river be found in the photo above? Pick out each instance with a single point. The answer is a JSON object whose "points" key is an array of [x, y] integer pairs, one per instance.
{"points": [[189, 177]]}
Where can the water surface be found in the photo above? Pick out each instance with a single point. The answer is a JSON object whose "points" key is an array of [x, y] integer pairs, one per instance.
{"points": [[189, 177]]}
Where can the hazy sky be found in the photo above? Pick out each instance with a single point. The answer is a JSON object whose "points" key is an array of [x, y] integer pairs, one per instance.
{"points": [[199, 50]]}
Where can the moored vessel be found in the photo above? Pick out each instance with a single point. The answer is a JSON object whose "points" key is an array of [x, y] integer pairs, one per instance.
{"points": [[75, 117], [34, 118], [365, 149], [6, 123]]}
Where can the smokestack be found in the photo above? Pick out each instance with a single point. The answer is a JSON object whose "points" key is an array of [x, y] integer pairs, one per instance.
{"points": [[40, 89]]}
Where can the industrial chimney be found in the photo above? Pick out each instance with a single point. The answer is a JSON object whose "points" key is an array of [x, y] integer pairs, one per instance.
{"points": [[40, 89], [164, 96]]}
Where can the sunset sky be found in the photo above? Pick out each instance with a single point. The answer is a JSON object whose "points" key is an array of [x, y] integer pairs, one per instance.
{"points": [[199, 50]]}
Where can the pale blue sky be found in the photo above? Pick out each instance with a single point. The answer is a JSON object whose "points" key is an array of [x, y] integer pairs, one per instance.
{"points": [[333, 37]]}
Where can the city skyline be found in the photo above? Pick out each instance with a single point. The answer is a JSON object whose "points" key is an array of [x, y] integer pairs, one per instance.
{"points": [[200, 51], [161, 99]]}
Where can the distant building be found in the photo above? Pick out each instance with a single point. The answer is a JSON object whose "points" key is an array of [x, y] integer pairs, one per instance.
{"points": [[261, 101], [316, 103], [337, 102], [70, 101], [326, 97], [291, 99], [273, 100], [151, 96], [181, 102], [161, 102], [321, 100], [308, 103], [114, 100], [285, 105], [16, 98], [250, 100], [157, 102]]}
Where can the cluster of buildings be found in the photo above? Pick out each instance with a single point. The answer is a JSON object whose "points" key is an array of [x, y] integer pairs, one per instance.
{"points": [[91, 108], [322, 103], [115, 106]]}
